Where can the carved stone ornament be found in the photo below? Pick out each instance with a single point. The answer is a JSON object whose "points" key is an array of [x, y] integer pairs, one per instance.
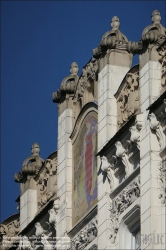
{"points": [[85, 236], [120, 162], [31, 165], [106, 167], [134, 145], [162, 60], [68, 85], [154, 33], [155, 125], [128, 98], [162, 180], [113, 39], [86, 90], [49, 169], [24, 243], [8, 234], [121, 203]]}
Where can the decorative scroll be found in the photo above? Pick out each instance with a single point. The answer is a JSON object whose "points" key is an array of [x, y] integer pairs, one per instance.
{"points": [[85, 169], [121, 203], [85, 236], [128, 98]]}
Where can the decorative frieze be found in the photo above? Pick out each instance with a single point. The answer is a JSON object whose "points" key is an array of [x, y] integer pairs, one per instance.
{"points": [[121, 203], [128, 98], [85, 236]]}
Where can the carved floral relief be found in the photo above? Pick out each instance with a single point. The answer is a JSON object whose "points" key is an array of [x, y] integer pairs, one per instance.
{"points": [[121, 203], [85, 236], [50, 169], [86, 89], [128, 98], [162, 60]]}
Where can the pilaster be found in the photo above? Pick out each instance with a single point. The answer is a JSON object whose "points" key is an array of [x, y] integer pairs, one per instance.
{"points": [[64, 174], [112, 69], [151, 222]]}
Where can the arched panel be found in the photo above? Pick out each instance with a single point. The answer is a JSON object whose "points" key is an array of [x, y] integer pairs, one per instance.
{"points": [[85, 165]]}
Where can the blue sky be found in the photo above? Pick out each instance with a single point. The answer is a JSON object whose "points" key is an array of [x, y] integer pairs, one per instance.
{"points": [[39, 41]]}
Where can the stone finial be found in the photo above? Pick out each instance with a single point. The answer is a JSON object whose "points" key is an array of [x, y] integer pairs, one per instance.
{"points": [[156, 18], [154, 33], [68, 85], [115, 23], [35, 149], [74, 69], [31, 165], [113, 39]]}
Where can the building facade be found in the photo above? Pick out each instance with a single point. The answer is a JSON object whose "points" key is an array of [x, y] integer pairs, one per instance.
{"points": [[105, 187]]}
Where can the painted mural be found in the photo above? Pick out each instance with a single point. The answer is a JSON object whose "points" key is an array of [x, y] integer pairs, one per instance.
{"points": [[85, 168]]}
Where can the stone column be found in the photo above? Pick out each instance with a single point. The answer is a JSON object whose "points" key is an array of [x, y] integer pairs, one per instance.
{"points": [[150, 82], [112, 69]]}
